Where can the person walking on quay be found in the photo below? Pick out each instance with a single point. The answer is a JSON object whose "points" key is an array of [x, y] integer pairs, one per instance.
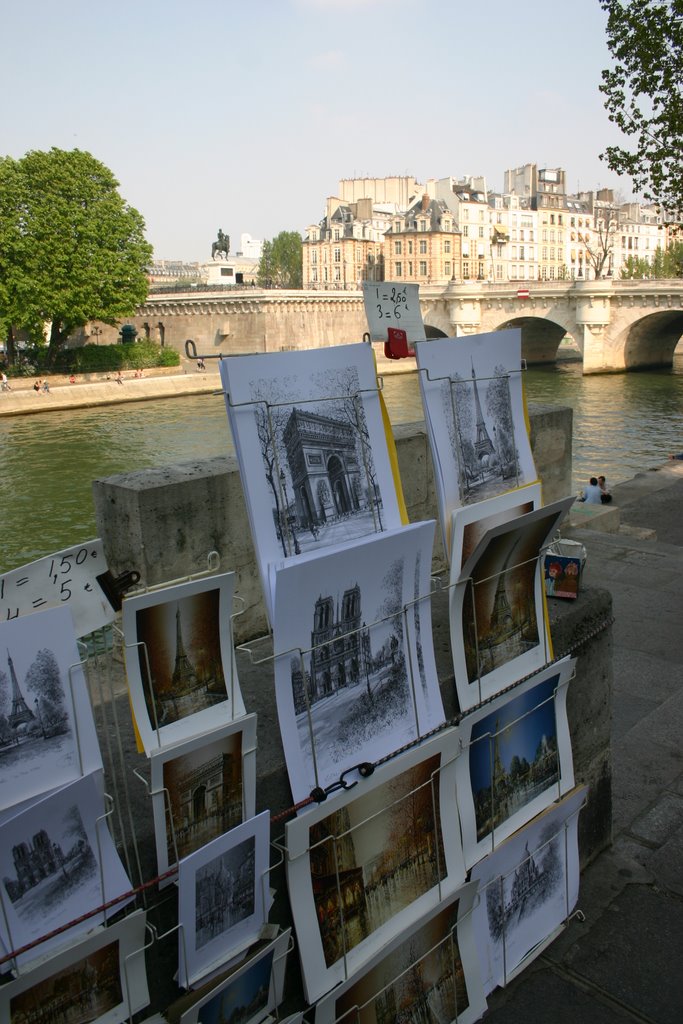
{"points": [[119, 378], [4, 382], [592, 493], [46, 386]]}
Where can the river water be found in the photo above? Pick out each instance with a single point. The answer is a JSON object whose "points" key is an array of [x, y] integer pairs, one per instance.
{"points": [[623, 423]]}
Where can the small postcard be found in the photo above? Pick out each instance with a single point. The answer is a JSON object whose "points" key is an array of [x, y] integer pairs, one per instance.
{"points": [[222, 898], [368, 862], [517, 759], [250, 992], [476, 417], [202, 788], [355, 676], [427, 973], [68, 578], [100, 980], [58, 862], [179, 660], [528, 887], [562, 575], [498, 618], [47, 730], [312, 450]]}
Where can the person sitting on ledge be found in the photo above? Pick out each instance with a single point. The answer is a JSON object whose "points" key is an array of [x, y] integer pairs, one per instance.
{"points": [[592, 494], [679, 456], [605, 493]]}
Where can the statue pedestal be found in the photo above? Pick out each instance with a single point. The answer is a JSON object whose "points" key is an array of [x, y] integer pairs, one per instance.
{"points": [[220, 271]]}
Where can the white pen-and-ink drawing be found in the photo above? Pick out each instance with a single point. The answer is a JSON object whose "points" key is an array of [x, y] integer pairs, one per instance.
{"points": [[34, 721], [49, 867], [536, 881], [225, 892], [354, 684], [484, 442], [318, 462]]}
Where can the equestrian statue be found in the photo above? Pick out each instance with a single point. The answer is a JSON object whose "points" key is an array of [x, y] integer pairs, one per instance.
{"points": [[222, 245]]}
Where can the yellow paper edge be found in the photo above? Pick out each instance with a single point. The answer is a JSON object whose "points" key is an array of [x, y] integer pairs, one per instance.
{"points": [[393, 455]]}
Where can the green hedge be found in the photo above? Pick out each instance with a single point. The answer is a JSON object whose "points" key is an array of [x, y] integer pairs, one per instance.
{"points": [[97, 358]]}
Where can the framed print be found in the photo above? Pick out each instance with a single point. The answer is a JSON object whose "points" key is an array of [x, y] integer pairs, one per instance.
{"points": [[202, 788], [498, 617], [429, 972], [476, 417], [517, 759], [250, 993], [100, 980], [368, 862], [528, 887], [222, 898], [179, 660], [470, 523], [312, 450], [355, 677], [47, 730], [58, 862]]}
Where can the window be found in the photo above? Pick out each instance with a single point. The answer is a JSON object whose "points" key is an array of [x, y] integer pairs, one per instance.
{"points": [[337, 255], [552, 218], [410, 247], [336, 234], [466, 269], [559, 218], [447, 267], [481, 232], [423, 245], [447, 245], [552, 273], [499, 271], [399, 269], [465, 214], [499, 249], [410, 268], [480, 272], [423, 268], [397, 248], [552, 252], [466, 231], [325, 274], [423, 225], [314, 274], [314, 256], [337, 273], [521, 252]]}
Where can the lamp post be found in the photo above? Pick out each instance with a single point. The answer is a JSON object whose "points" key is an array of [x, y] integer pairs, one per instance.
{"points": [[285, 518], [95, 333]]}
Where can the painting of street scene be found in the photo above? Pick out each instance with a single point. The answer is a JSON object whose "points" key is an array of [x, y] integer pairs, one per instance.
{"points": [[502, 615], [317, 459], [373, 858], [513, 756], [182, 642], [37, 737], [225, 892], [244, 999], [80, 994], [420, 981]]}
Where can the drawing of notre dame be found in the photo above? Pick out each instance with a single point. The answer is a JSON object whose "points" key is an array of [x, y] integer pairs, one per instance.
{"points": [[324, 463]]}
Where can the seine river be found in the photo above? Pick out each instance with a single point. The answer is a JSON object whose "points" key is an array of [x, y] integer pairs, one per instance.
{"points": [[623, 423]]}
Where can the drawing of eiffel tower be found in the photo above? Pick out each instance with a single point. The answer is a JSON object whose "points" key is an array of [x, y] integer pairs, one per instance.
{"points": [[483, 446], [184, 678], [21, 712]]}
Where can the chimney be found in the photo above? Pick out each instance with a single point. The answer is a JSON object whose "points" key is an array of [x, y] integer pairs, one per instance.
{"points": [[425, 202]]}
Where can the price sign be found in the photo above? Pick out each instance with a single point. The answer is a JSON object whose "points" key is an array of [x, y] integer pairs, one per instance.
{"points": [[388, 304], [65, 578]]}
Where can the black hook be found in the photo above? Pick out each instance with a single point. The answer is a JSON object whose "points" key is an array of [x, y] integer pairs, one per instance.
{"points": [[114, 586]]}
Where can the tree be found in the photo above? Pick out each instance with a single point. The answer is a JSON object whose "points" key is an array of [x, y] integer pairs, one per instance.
{"points": [[281, 264], [600, 245], [71, 248], [643, 95], [635, 267]]}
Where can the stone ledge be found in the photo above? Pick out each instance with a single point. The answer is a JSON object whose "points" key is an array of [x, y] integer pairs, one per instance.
{"points": [[601, 518]]}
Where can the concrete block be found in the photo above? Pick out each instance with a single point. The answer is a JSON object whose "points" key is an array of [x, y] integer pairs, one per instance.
{"points": [[601, 518]]}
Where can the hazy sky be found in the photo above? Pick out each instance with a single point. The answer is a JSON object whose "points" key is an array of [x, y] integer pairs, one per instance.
{"points": [[244, 114]]}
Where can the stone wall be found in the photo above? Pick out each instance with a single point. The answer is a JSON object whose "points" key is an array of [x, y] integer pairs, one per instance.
{"points": [[164, 521]]}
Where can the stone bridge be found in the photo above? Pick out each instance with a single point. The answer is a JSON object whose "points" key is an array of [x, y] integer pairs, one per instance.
{"points": [[617, 325]]}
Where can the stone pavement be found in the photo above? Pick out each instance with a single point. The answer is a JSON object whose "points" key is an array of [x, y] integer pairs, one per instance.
{"points": [[623, 962]]}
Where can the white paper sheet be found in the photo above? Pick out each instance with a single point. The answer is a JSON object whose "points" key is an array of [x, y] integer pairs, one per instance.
{"points": [[517, 759], [180, 661], [312, 450], [475, 414], [222, 898], [102, 977], [528, 887], [47, 731], [432, 966], [393, 304], [363, 865], [202, 788], [354, 663]]}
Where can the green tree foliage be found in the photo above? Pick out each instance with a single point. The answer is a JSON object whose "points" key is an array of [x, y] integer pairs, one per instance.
{"points": [[667, 263], [281, 264], [71, 248], [643, 95]]}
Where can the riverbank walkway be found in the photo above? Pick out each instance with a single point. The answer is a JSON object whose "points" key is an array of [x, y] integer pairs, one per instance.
{"points": [[623, 962]]}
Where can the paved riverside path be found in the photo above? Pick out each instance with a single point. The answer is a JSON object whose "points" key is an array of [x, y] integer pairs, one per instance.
{"points": [[624, 962]]}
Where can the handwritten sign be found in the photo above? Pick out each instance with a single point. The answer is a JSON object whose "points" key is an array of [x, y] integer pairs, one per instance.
{"points": [[65, 578], [388, 304]]}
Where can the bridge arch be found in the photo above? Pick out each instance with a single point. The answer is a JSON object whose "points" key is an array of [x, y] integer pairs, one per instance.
{"points": [[651, 340]]}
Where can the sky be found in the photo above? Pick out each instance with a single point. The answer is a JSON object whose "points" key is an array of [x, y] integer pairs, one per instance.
{"points": [[245, 114]]}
